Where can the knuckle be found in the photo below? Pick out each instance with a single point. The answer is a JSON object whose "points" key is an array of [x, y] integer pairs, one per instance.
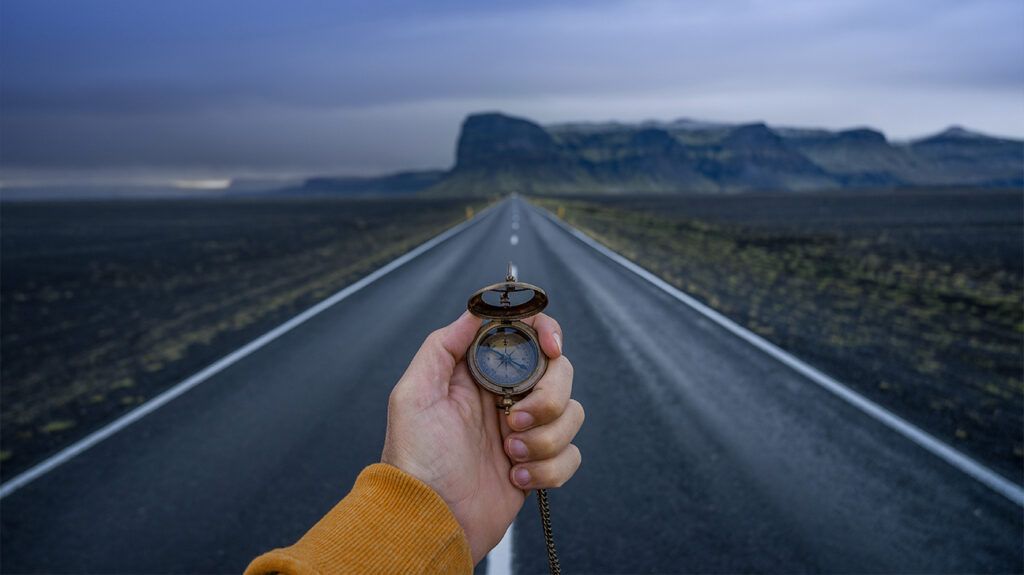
{"points": [[543, 475], [544, 445], [550, 407], [577, 456], [558, 471], [555, 326], [569, 369], [560, 479], [435, 338], [395, 397], [577, 408]]}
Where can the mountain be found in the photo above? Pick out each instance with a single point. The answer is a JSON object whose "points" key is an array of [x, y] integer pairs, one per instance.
{"points": [[498, 154], [968, 157], [858, 157]]}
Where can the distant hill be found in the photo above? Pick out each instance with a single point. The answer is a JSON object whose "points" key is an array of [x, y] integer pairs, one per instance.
{"points": [[498, 154], [401, 183]]}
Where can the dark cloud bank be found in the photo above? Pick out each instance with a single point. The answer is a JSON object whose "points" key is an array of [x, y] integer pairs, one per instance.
{"points": [[116, 89]]}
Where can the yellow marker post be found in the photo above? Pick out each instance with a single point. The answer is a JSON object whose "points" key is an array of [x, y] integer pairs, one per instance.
{"points": [[561, 212], [469, 212]]}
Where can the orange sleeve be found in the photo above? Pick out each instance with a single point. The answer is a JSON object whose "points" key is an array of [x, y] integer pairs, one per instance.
{"points": [[390, 522]]}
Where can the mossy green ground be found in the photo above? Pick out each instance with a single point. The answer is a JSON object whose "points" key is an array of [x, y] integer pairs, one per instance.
{"points": [[921, 311]]}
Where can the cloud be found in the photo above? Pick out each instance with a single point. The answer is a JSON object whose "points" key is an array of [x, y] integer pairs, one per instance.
{"points": [[362, 87], [221, 184]]}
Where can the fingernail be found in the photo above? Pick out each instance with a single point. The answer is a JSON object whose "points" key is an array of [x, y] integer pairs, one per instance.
{"points": [[558, 341], [517, 449], [521, 477], [521, 420]]}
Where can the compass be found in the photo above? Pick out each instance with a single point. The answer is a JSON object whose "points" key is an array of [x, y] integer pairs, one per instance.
{"points": [[505, 357]]}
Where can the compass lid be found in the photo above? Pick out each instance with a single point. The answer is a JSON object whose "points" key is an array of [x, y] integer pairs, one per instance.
{"points": [[508, 300]]}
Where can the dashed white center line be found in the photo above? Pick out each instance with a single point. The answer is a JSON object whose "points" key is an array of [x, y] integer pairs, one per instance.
{"points": [[514, 239], [499, 560], [515, 225]]}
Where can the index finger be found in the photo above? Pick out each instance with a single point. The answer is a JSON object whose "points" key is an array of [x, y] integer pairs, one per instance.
{"points": [[549, 332]]}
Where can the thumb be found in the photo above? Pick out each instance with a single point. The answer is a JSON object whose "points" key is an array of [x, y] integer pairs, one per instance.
{"points": [[431, 369], [456, 337]]}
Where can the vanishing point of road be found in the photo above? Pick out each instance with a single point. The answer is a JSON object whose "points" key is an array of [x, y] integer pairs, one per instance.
{"points": [[701, 453]]}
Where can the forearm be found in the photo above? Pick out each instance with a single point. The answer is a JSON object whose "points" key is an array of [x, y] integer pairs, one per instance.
{"points": [[389, 522]]}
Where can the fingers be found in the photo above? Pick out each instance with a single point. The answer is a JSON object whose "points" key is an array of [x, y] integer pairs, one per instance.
{"points": [[552, 472], [548, 399], [544, 423], [549, 332], [548, 440]]}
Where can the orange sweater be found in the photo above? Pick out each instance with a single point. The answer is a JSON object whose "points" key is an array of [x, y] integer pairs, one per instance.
{"points": [[390, 522]]}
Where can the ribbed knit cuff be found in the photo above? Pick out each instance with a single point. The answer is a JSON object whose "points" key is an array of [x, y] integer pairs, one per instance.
{"points": [[390, 522]]}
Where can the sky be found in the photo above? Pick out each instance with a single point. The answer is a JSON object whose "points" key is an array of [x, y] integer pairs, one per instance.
{"points": [[197, 92]]}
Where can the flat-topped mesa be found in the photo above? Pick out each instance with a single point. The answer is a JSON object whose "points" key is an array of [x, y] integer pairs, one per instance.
{"points": [[492, 138]]}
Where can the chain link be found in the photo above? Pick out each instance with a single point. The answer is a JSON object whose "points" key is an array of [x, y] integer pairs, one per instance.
{"points": [[549, 538]]}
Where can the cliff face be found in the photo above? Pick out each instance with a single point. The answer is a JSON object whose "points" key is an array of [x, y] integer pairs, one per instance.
{"points": [[501, 154], [494, 139]]}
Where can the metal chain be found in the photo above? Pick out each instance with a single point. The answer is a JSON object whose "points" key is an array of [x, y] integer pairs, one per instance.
{"points": [[542, 496], [549, 539]]}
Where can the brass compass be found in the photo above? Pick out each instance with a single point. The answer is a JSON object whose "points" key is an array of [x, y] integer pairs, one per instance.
{"points": [[506, 358]]}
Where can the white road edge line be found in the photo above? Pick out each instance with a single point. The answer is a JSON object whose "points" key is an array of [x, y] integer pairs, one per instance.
{"points": [[223, 363], [947, 453]]}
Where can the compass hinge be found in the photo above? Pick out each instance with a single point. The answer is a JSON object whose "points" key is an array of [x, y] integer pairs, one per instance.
{"points": [[506, 403]]}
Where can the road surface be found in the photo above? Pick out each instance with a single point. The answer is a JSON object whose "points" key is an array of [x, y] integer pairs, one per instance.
{"points": [[700, 452]]}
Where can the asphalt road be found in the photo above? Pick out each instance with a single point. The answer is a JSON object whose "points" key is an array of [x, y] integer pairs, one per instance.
{"points": [[700, 453]]}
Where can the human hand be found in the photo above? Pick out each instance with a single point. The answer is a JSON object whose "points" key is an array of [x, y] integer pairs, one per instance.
{"points": [[446, 431]]}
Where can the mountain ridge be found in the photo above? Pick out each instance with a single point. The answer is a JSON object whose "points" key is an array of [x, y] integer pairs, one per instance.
{"points": [[497, 154]]}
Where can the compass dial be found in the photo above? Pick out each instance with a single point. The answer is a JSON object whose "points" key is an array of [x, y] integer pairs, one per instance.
{"points": [[506, 356]]}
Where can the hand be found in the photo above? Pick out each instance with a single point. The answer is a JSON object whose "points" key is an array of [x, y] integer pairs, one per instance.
{"points": [[446, 431]]}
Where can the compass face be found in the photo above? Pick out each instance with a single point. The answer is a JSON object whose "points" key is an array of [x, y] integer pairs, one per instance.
{"points": [[506, 356]]}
